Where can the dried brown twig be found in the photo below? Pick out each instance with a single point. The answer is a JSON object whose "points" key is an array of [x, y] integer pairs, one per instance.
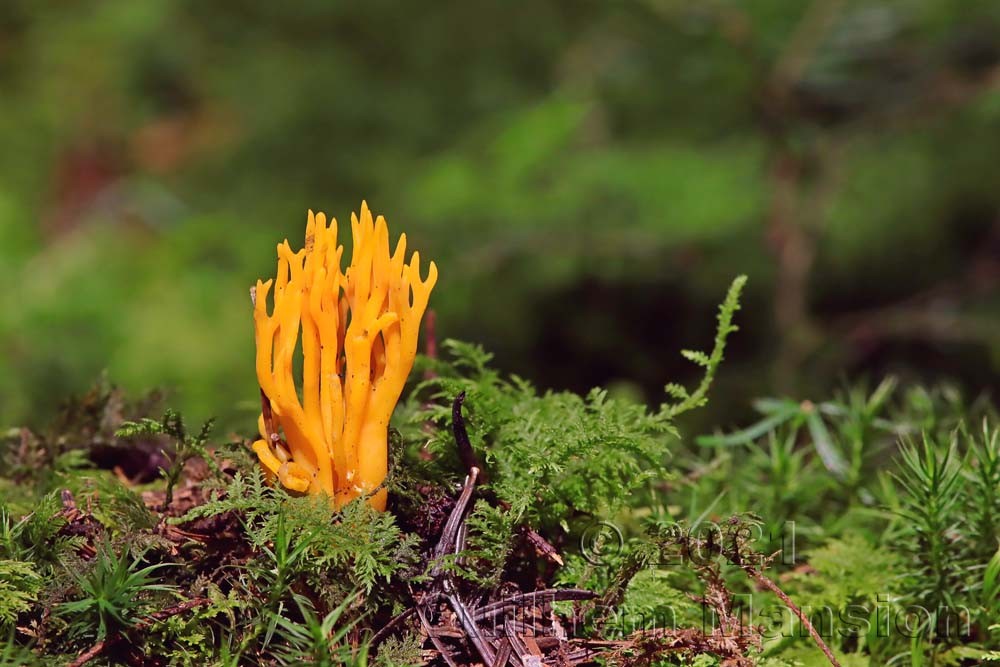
{"points": [[441, 605], [106, 644]]}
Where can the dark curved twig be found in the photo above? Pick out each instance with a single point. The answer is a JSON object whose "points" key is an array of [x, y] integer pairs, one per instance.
{"points": [[387, 629], [438, 644], [553, 594], [450, 530], [465, 451], [468, 623]]}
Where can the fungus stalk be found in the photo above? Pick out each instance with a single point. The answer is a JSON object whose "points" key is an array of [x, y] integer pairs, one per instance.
{"points": [[358, 332]]}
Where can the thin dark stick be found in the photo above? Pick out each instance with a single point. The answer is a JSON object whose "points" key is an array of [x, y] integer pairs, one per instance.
{"points": [[442, 649], [503, 655], [463, 532], [465, 451], [450, 530], [516, 643], [553, 594], [453, 539], [386, 630], [465, 619]]}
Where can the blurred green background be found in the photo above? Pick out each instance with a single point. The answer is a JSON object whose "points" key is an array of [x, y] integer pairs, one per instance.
{"points": [[589, 176]]}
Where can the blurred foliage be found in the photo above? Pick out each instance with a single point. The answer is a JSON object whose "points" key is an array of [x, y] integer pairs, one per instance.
{"points": [[588, 177]]}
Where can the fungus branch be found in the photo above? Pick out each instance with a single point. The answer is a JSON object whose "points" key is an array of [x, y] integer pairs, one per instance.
{"points": [[357, 332]]}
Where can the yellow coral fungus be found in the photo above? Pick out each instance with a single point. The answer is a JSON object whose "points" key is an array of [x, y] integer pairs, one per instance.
{"points": [[359, 331]]}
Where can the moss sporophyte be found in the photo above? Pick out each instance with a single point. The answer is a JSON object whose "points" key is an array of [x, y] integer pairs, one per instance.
{"points": [[359, 331]]}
